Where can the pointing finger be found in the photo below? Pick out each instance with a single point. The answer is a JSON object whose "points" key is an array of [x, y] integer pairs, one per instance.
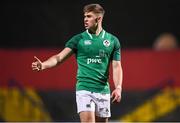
{"points": [[34, 63], [114, 99]]}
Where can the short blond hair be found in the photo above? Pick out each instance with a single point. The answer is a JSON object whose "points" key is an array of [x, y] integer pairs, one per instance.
{"points": [[96, 8]]}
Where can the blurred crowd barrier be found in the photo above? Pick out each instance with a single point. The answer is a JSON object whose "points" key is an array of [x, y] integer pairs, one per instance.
{"points": [[151, 87]]}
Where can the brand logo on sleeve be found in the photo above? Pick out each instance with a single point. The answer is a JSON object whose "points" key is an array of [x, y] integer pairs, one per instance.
{"points": [[106, 43]]}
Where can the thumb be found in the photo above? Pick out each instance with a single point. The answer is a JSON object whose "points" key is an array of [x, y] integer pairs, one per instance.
{"points": [[37, 59]]}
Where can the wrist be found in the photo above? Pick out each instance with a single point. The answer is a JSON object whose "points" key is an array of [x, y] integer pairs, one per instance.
{"points": [[42, 66], [119, 88]]}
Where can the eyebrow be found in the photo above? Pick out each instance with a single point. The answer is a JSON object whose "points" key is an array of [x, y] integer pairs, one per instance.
{"points": [[87, 15]]}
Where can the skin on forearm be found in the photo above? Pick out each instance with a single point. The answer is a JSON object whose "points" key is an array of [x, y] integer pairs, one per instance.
{"points": [[57, 59], [117, 74], [51, 62]]}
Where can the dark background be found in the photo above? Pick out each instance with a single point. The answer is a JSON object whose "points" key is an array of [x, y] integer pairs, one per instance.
{"points": [[50, 23], [32, 25]]}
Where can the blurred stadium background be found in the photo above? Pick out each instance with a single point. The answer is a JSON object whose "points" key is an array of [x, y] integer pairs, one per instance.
{"points": [[151, 83]]}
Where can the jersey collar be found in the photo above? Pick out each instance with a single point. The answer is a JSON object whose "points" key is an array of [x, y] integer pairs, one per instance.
{"points": [[102, 34]]}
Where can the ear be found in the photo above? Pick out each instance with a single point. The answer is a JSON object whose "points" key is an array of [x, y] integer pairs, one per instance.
{"points": [[99, 18]]}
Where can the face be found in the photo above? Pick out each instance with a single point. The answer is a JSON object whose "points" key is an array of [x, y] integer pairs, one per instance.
{"points": [[90, 20]]}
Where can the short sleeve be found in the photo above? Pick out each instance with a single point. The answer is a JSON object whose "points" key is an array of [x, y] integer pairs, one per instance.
{"points": [[116, 52], [72, 43]]}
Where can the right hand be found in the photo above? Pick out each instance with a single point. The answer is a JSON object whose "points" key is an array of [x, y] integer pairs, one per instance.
{"points": [[37, 65]]}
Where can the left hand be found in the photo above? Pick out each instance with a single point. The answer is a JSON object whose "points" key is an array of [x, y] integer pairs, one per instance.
{"points": [[116, 95]]}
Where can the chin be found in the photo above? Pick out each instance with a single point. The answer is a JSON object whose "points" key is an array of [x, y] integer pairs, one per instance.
{"points": [[86, 27]]}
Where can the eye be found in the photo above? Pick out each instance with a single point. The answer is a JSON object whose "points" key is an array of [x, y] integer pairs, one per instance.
{"points": [[88, 16]]}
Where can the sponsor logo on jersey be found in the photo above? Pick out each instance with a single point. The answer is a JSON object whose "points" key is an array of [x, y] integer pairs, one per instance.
{"points": [[94, 60], [87, 42], [106, 43]]}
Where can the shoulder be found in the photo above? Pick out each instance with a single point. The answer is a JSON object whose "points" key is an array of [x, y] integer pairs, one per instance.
{"points": [[112, 37], [77, 36]]}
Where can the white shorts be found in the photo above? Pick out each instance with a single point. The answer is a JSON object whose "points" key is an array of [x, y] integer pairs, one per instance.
{"points": [[95, 102]]}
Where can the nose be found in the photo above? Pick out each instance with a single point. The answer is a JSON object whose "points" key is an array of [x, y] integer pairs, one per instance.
{"points": [[85, 19]]}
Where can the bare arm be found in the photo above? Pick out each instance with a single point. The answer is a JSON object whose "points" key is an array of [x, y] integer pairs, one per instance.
{"points": [[117, 78], [52, 61]]}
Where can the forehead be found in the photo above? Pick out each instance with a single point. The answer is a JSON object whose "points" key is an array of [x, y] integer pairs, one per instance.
{"points": [[90, 13]]}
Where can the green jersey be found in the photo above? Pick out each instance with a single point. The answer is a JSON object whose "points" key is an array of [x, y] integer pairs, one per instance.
{"points": [[93, 55]]}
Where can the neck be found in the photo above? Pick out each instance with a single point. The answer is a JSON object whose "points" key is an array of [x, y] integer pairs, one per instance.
{"points": [[96, 30]]}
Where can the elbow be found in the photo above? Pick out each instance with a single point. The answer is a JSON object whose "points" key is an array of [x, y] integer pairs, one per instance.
{"points": [[116, 64]]}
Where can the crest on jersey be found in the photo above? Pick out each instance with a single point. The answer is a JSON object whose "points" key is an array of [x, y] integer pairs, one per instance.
{"points": [[106, 43], [87, 42]]}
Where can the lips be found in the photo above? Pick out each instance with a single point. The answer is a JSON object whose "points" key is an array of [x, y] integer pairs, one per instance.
{"points": [[85, 24]]}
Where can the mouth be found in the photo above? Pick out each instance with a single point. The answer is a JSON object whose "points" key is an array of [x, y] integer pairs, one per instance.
{"points": [[86, 24]]}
